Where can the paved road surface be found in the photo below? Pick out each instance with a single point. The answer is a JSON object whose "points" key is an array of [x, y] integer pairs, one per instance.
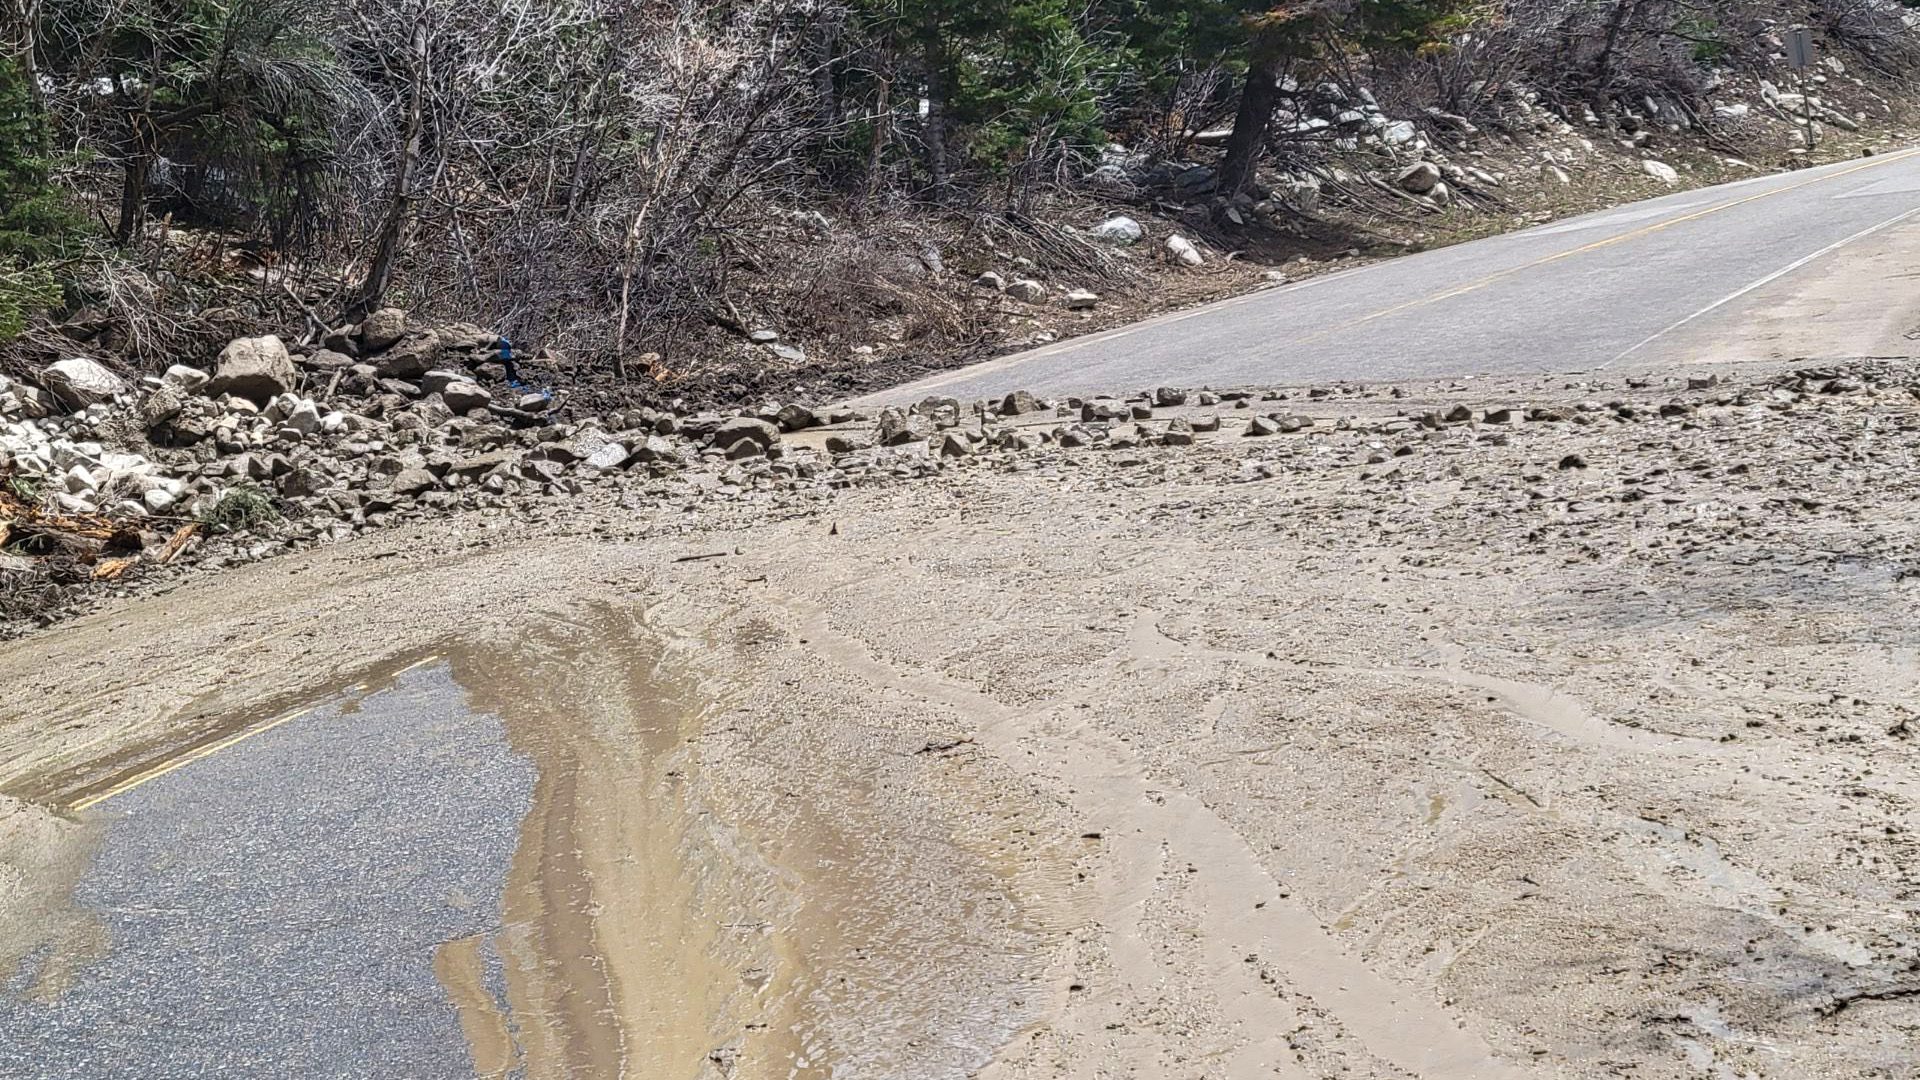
{"points": [[1664, 280], [274, 909]]}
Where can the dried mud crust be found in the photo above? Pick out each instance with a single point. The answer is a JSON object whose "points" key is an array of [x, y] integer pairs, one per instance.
{"points": [[1571, 747]]}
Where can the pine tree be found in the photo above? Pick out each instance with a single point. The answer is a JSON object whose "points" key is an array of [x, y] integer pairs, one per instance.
{"points": [[37, 224]]}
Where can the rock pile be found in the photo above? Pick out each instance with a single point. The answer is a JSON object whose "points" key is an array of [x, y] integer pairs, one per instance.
{"points": [[251, 461]]}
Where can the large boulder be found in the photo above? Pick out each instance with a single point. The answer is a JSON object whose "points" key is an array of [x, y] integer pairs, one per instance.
{"points": [[412, 357], [383, 329], [78, 382], [254, 368]]}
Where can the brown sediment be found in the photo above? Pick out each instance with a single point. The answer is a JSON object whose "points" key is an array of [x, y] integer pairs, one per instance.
{"points": [[459, 967], [42, 858], [667, 917], [609, 939]]}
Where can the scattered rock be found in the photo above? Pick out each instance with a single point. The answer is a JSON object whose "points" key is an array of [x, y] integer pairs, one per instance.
{"points": [[1020, 403], [383, 329], [1418, 178], [78, 382], [1119, 229], [745, 427], [256, 368], [1027, 291]]}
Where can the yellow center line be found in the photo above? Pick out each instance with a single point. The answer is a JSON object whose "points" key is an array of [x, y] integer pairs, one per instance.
{"points": [[210, 749], [1634, 234]]}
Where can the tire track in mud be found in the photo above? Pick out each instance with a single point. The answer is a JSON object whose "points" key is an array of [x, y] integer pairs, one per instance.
{"points": [[1247, 923]]}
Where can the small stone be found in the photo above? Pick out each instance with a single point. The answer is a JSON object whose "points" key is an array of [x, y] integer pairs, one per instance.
{"points": [[610, 456], [1167, 397], [189, 379], [796, 418], [463, 396], [1418, 178], [1027, 291], [1262, 425], [1573, 461], [1019, 403], [413, 481], [990, 280], [1119, 229], [1081, 299], [745, 427]]}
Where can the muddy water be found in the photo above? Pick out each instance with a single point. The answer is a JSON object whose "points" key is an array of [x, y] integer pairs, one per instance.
{"points": [[664, 918], [571, 852]]}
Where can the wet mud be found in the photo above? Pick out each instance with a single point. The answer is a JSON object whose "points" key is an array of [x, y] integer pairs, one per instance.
{"points": [[664, 919]]}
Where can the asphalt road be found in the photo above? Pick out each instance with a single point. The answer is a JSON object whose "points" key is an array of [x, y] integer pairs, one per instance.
{"points": [[1636, 285], [274, 909]]}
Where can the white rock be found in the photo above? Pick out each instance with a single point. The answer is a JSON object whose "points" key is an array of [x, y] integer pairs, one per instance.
{"points": [[1732, 112], [1398, 133], [1419, 177], [1027, 291], [1119, 229], [253, 368], [1183, 251], [304, 417], [79, 382], [190, 379], [158, 500], [1660, 171], [1081, 299], [1555, 173]]}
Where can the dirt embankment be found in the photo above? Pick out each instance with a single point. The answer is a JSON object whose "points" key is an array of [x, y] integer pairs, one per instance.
{"points": [[1567, 741]]}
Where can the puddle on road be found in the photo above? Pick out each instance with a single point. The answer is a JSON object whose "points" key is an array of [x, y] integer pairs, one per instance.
{"points": [[653, 921]]}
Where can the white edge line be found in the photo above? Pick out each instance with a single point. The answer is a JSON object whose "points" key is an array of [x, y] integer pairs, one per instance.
{"points": [[1769, 279]]}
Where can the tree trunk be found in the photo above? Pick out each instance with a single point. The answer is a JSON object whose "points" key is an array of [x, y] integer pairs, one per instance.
{"points": [[934, 131], [135, 169], [386, 249], [877, 143], [1249, 136], [939, 175], [400, 198], [1603, 63]]}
